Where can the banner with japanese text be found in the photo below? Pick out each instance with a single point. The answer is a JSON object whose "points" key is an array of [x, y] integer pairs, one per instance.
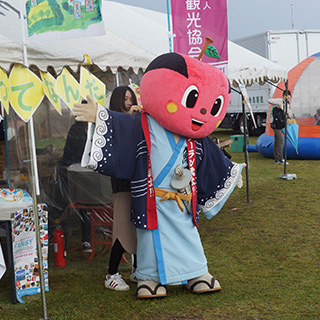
{"points": [[91, 85], [192, 21], [25, 257], [68, 88], [26, 91], [59, 19], [49, 88]]}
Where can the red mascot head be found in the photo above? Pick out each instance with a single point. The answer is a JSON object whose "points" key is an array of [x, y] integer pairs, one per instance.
{"points": [[184, 95]]}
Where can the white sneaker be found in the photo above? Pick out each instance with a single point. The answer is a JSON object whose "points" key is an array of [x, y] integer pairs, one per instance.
{"points": [[86, 247], [115, 282], [133, 277]]}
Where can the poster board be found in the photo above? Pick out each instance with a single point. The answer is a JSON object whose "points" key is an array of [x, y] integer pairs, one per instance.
{"points": [[25, 258]]}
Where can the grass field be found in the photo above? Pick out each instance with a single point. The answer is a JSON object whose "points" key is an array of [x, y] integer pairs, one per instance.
{"points": [[265, 254]]}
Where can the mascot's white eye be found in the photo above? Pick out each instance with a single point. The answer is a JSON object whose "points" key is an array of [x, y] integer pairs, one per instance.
{"points": [[217, 106], [190, 97]]}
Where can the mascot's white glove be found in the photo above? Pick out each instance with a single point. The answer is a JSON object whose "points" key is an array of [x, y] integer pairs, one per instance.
{"points": [[86, 111], [240, 180]]}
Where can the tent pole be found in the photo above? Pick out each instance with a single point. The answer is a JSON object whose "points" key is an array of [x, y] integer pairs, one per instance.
{"points": [[36, 224], [7, 150], [285, 130], [169, 25], [245, 142], [25, 61], [117, 78], [34, 178], [245, 146]]}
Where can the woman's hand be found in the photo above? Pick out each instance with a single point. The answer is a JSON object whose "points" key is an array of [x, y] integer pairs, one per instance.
{"points": [[86, 111], [135, 109]]}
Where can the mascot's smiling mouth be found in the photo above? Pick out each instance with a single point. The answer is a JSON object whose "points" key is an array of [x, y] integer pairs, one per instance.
{"points": [[196, 124]]}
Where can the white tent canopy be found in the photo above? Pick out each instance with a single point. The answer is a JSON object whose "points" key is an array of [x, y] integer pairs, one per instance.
{"points": [[133, 37], [246, 67], [112, 50]]}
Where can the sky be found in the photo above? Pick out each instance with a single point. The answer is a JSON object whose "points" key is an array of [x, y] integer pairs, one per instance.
{"points": [[250, 17]]}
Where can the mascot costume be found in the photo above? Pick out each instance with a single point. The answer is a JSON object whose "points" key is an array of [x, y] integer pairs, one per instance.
{"points": [[176, 171]]}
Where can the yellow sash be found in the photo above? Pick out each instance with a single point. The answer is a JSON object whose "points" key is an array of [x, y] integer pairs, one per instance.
{"points": [[165, 194]]}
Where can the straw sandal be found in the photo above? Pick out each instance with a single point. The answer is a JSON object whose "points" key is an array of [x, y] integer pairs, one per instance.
{"points": [[203, 284], [148, 289]]}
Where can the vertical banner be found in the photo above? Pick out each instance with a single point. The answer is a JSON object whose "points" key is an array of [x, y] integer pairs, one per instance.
{"points": [[60, 19], [192, 21], [26, 266]]}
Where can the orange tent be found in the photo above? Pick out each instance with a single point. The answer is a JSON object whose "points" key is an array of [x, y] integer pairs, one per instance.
{"points": [[304, 84]]}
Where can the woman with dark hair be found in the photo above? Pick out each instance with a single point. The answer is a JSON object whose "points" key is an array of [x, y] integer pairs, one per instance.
{"points": [[124, 237], [124, 100]]}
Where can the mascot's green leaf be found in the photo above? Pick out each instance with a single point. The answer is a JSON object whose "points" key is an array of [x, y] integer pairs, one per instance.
{"points": [[212, 52]]}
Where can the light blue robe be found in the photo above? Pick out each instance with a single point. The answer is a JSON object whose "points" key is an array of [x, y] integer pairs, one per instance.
{"points": [[172, 253]]}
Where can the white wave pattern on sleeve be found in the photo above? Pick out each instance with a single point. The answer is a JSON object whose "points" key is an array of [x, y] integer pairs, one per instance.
{"points": [[224, 191], [93, 152]]}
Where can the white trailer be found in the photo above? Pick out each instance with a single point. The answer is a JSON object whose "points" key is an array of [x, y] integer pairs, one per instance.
{"points": [[258, 97], [284, 47]]}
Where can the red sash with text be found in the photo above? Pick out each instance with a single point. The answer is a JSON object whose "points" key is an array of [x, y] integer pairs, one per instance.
{"points": [[152, 221]]}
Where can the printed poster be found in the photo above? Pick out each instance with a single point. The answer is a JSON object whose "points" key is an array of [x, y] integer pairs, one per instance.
{"points": [[60, 19], [193, 21], [26, 265]]}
